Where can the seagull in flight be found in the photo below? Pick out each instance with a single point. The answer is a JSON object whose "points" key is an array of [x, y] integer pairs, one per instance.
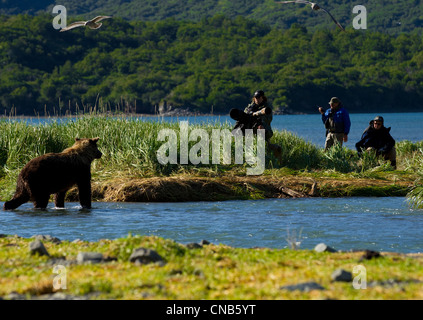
{"points": [[92, 24], [315, 7]]}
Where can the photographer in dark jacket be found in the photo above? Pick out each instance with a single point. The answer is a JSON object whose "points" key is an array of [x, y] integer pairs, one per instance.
{"points": [[377, 137], [257, 115]]}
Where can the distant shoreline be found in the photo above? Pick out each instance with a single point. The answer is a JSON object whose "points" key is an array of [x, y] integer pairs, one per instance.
{"points": [[170, 114]]}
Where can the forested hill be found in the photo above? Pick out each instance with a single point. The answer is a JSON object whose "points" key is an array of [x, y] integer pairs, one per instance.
{"points": [[388, 16], [215, 64]]}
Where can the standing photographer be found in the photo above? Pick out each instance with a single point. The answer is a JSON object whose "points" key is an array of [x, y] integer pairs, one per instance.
{"points": [[337, 123]]}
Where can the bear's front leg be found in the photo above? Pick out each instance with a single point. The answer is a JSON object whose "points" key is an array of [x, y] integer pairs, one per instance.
{"points": [[59, 199], [21, 196], [84, 189], [15, 202]]}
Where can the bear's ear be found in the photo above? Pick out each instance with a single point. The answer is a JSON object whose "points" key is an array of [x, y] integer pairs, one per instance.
{"points": [[95, 139], [77, 139]]}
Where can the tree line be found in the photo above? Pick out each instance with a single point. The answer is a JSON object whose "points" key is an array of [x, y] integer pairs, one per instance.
{"points": [[388, 16], [211, 65]]}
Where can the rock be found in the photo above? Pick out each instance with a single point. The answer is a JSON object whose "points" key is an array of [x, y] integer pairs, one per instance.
{"points": [[193, 245], [59, 296], [369, 254], [15, 296], [37, 247], [145, 256], [342, 275], [47, 237], [89, 257], [321, 247], [109, 259], [393, 283], [204, 243], [61, 261], [304, 287]]}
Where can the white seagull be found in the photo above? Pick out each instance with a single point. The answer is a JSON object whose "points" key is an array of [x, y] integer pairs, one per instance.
{"points": [[315, 7], [92, 24]]}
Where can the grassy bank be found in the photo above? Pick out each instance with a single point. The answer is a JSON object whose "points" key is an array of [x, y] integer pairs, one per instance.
{"points": [[130, 164], [213, 271]]}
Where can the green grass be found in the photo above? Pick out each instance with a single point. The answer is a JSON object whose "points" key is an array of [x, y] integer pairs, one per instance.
{"points": [[214, 271]]}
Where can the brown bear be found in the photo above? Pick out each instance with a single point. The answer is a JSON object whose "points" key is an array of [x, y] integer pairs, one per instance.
{"points": [[56, 173]]}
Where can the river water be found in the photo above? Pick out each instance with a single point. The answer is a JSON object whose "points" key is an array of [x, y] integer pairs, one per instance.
{"points": [[385, 224]]}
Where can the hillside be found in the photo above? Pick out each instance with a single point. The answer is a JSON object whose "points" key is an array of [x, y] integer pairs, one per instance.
{"points": [[216, 63], [389, 16]]}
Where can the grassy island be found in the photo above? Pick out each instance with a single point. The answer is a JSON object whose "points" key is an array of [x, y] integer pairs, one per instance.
{"points": [[129, 169]]}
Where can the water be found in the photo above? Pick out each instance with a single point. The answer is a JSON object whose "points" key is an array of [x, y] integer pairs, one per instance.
{"points": [[404, 126], [382, 224]]}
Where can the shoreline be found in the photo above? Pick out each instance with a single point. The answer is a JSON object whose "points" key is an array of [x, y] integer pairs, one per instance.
{"points": [[166, 114], [184, 188]]}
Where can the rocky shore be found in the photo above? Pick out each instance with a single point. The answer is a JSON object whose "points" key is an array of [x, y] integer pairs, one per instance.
{"points": [[154, 268]]}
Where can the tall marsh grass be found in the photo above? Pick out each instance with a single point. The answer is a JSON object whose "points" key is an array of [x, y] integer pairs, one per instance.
{"points": [[412, 159], [297, 153], [130, 145], [339, 158]]}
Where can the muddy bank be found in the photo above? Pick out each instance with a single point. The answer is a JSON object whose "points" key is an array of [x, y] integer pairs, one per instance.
{"points": [[188, 188]]}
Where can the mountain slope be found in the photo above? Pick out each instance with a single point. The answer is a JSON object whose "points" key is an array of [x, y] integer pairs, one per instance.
{"points": [[214, 64], [390, 16]]}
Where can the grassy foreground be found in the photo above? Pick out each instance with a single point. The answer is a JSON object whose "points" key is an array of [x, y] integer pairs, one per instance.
{"points": [[213, 271]]}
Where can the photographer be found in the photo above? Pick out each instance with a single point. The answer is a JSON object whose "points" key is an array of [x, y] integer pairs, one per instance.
{"points": [[378, 138], [337, 123], [257, 115]]}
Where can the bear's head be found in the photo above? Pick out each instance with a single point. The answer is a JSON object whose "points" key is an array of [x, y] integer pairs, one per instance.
{"points": [[87, 147]]}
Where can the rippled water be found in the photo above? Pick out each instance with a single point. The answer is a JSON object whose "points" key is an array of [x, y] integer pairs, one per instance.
{"points": [[383, 224]]}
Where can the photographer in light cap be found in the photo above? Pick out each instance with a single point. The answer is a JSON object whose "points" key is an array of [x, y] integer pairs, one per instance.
{"points": [[337, 123]]}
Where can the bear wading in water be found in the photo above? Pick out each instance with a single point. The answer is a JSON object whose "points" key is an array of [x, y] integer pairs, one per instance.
{"points": [[56, 173]]}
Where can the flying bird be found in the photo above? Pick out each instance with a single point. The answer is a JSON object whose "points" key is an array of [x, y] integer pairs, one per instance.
{"points": [[315, 7], [92, 24]]}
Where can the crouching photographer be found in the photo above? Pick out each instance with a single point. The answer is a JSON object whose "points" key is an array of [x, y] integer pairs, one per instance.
{"points": [[377, 137]]}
